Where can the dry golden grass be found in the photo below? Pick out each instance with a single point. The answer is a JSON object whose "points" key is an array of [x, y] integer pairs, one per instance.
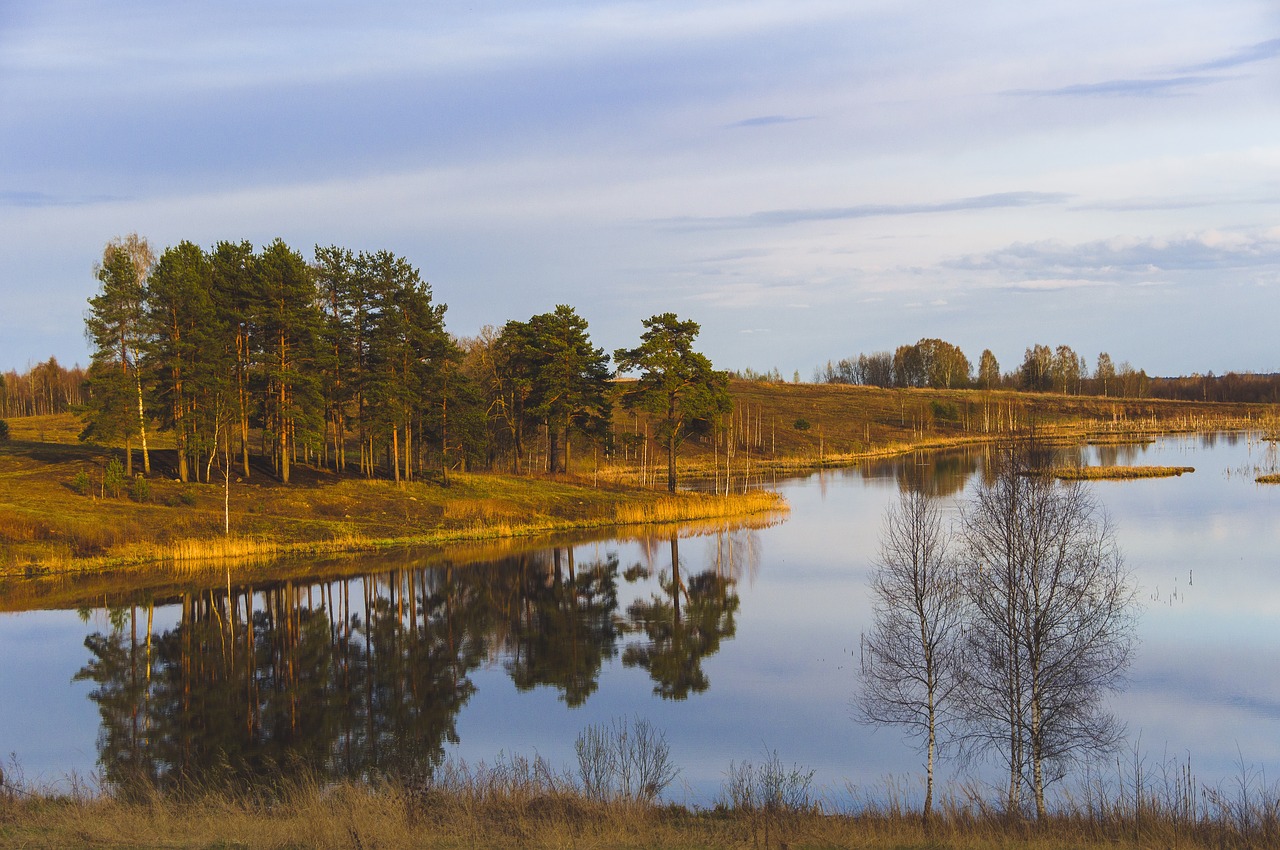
{"points": [[389, 816], [45, 525], [1115, 473], [1271, 478]]}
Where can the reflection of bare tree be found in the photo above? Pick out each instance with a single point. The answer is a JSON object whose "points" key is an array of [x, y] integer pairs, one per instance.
{"points": [[682, 628], [735, 554], [1113, 454]]}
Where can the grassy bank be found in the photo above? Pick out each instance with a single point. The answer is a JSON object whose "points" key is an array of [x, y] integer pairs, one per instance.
{"points": [[45, 524]]}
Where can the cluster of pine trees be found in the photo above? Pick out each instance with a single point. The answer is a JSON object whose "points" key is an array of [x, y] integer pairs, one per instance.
{"points": [[213, 345], [344, 363]]}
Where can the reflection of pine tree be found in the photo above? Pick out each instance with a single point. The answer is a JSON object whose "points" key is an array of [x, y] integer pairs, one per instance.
{"points": [[267, 683], [421, 644], [120, 667], [679, 639], [230, 702], [564, 628], [360, 678]]}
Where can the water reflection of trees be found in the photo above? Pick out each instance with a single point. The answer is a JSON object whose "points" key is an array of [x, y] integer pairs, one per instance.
{"points": [[682, 626], [563, 628], [934, 473], [359, 678], [365, 676]]}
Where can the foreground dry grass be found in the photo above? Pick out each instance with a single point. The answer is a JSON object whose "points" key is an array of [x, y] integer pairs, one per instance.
{"points": [[353, 816]]}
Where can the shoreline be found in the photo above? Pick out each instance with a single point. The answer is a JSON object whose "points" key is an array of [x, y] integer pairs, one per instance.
{"points": [[621, 510]]}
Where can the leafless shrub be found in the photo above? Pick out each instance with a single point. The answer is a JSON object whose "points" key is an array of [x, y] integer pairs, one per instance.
{"points": [[624, 760]]}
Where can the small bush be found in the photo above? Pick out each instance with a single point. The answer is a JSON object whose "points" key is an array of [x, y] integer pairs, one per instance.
{"points": [[80, 483], [187, 498], [4, 431], [113, 478], [624, 761], [140, 489], [802, 425], [769, 786], [946, 412]]}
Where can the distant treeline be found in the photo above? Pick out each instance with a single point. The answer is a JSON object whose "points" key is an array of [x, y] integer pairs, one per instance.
{"points": [[45, 388], [938, 364]]}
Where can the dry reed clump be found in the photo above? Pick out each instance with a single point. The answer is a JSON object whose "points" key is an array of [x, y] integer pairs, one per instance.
{"points": [[474, 511], [697, 506], [244, 549], [1270, 478]]}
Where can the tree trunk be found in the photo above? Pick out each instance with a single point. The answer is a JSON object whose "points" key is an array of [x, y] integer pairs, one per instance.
{"points": [[553, 448], [408, 450], [283, 445], [395, 453], [142, 421], [1037, 767], [673, 427]]}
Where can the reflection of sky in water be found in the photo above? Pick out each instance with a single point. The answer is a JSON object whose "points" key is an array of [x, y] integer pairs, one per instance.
{"points": [[1203, 549]]}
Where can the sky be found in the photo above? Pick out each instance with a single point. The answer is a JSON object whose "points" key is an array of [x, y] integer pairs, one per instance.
{"points": [[806, 179]]}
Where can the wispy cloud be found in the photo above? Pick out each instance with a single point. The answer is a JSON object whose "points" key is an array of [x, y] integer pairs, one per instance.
{"points": [[1178, 203], [776, 218], [19, 198], [770, 120], [1247, 56], [1154, 87], [1052, 284], [1053, 264]]}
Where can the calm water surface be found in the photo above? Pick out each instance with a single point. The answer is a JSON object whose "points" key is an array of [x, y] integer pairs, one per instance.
{"points": [[409, 663]]}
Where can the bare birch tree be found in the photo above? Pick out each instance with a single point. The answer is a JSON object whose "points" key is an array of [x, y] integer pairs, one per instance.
{"points": [[910, 657], [1051, 629]]}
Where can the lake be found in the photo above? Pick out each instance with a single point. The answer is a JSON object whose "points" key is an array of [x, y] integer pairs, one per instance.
{"points": [[387, 663]]}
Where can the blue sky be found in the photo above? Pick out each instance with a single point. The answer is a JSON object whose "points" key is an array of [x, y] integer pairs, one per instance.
{"points": [[806, 179]]}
